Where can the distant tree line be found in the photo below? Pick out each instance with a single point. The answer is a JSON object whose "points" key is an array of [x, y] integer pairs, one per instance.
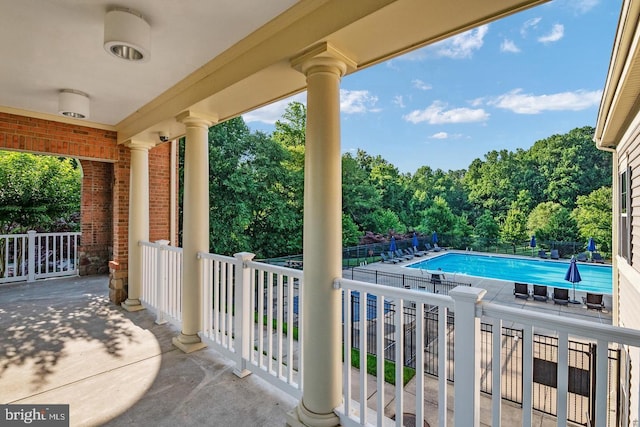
{"points": [[558, 190]]}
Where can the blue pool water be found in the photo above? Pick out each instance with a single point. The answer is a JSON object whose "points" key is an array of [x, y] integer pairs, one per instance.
{"points": [[595, 278]]}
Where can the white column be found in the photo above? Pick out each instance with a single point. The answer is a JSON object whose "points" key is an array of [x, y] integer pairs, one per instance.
{"points": [[138, 219], [195, 229], [466, 356], [321, 303]]}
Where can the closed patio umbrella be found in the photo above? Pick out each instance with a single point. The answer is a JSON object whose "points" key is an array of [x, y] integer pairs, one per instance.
{"points": [[392, 244], [573, 276], [532, 243], [414, 242], [434, 237], [591, 247]]}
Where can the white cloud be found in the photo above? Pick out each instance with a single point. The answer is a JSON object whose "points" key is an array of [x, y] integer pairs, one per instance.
{"points": [[556, 33], [476, 102], [523, 103], [419, 84], [509, 46], [271, 113], [583, 6], [357, 101], [398, 100], [436, 114], [440, 135], [531, 23], [463, 45]]}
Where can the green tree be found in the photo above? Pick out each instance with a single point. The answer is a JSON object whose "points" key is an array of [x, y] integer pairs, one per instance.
{"points": [[383, 221], [350, 232], [36, 192], [552, 221], [439, 217], [514, 228], [487, 229], [359, 197], [593, 217]]}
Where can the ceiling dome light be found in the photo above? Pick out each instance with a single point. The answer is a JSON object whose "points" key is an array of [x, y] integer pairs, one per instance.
{"points": [[127, 35], [73, 103]]}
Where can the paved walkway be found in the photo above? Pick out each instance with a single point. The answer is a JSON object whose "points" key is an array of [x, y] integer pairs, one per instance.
{"points": [[63, 342]]}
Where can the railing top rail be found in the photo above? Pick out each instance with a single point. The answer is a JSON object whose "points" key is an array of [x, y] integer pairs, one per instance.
{"points": [[216, 257], [60, 233], [387, 291], [271, 268], [583, 328]]}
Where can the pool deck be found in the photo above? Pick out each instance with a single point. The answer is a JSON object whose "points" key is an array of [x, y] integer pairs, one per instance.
{"points": [[501, 291]]}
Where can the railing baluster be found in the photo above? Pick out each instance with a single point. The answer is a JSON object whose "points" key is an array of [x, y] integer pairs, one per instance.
{"points": [[399, 362], [563, 378], [419, 313], [602, 382], [496, 373], [362, 332], [380, 341], [280, 325], [443, 361], [527, 375], [346, 328]]}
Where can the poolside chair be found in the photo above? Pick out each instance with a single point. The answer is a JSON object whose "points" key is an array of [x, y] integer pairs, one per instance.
{"points": [[582, 257], [387, 259], [521, 290], [428, 247], [436, 248], [596, 257], [593, 301], [540, 293], [409, 252], [402, 255], [555, 254], [560, 296], [542, 254], [436, 278], [416, 252]]}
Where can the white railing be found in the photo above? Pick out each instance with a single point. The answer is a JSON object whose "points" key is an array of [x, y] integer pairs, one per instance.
{"points": [[32, 256], [357, 296], [251, 313], [162, 280], [247, 316]]}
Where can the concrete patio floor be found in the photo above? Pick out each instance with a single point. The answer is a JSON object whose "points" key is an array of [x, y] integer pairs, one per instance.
{"points": [[62, 342]]}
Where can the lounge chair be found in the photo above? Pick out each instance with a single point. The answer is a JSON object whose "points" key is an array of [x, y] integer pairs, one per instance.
{"points": [[521, 290], [387, 259], [555, 254], [596, 257], [392, 255], [436, 248], [593, 301], [428, 247], [542, 254], [436, 278], [416, 252], [560, 296], [409, 252], [402, 255], [582, 257], [540, 293]]}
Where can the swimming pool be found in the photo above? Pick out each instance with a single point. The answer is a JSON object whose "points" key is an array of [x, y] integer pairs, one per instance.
{"points": [[595, 278]]}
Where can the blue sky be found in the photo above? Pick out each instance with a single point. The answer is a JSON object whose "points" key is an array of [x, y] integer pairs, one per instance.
{"points": [[504, 85]]}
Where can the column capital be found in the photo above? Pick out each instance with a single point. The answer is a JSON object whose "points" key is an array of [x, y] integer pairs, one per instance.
{"points": [[194, 118], [139, 144], [323, 56]]}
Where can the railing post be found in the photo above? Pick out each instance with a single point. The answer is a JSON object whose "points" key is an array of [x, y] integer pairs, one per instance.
{"points": [[467, 346], [243, 314], [161, 281], [31, 258]]}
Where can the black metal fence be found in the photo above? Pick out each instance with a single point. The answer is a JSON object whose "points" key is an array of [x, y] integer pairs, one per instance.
{"points": [[582, 360], [428, 282]]}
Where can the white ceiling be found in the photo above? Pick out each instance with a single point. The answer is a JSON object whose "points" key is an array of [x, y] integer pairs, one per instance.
{"points": [[49, 45]]}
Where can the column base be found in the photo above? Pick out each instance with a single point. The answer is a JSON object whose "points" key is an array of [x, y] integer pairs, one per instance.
{"points": [[188, 343], [302, 417], [132, 305]]}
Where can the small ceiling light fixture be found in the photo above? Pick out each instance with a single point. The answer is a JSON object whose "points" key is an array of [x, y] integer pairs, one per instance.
{"points": [[127, 35], [73, 103]]}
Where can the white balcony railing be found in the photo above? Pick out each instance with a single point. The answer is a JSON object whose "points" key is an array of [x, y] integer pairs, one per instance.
{"points": [[251, 313], [32, 256]]}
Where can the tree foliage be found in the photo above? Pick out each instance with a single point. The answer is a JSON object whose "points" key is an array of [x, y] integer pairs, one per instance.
{"points": [[257, 181], [39, 193]]}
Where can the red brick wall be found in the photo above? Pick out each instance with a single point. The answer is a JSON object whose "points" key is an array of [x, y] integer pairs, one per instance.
{"points": [[159, 193], [40, 136], [105, 187], [96, 217]]}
